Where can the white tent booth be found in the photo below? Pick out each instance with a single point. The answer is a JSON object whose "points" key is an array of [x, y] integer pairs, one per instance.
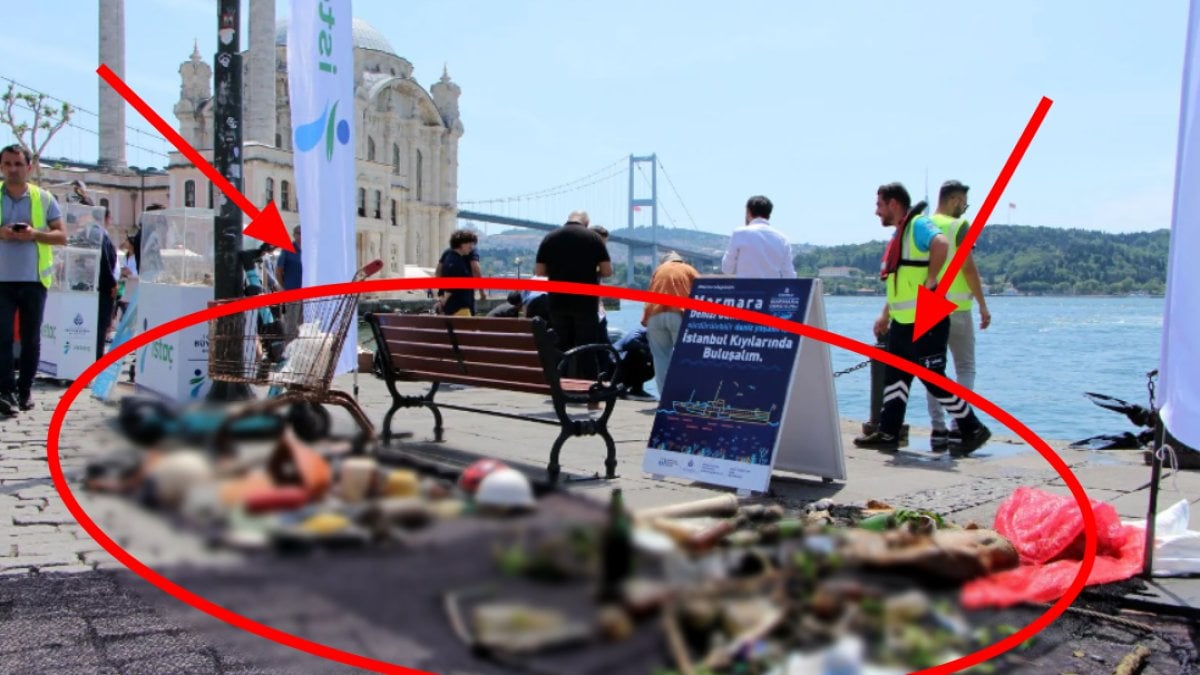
{"points": [[175, 279]]}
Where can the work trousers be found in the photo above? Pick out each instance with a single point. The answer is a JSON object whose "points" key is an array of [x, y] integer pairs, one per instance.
{"points": [[573, 329], [962, 351], [930, 352], [28, 298], [104, 316]]}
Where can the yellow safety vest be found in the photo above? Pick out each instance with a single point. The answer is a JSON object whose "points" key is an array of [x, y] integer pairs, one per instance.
{"points": [[959, 292], [912, 272], [38, 216]]}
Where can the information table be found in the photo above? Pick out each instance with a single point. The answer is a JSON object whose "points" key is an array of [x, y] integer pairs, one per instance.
{"points": [[69, 327], [176, 280]]}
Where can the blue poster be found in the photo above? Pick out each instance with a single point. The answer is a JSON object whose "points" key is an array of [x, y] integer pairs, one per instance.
{"points": [[719, 414]]}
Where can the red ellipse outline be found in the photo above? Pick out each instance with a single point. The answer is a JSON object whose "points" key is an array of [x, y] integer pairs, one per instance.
{"points": [[490, 283]]}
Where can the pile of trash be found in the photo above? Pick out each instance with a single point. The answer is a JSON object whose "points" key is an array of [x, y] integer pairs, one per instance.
{"points": [[749, 588], [297, 498], [718, 585]]}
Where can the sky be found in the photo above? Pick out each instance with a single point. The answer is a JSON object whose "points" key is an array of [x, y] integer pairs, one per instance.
{"points": [[812, 104]]}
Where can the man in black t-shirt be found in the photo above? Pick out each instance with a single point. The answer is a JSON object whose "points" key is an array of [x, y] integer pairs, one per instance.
{"points": [[574, 253]]}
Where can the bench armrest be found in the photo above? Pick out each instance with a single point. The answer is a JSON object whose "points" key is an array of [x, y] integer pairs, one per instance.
{"points": [[613, 373]]}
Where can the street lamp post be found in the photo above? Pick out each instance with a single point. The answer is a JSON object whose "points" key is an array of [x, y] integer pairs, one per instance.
{"points": [[518, 261]]}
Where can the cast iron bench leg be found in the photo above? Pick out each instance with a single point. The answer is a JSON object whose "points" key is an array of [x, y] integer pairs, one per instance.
{"points": [[437, 421], [610, 460], [553, 469], [387, 422]]}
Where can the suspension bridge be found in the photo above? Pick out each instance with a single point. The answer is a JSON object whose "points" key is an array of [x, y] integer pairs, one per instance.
{"points": [[609, 198], [624, 192]]}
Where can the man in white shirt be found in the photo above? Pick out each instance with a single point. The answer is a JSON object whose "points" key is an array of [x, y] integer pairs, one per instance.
{"points": [[758, 251]]}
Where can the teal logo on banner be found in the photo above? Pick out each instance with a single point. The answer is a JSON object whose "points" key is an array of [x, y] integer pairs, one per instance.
{"points": [[720, 412], [327, 127]]}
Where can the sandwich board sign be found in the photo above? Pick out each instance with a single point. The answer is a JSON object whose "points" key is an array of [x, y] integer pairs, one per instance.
{"points": [[742, 399]]}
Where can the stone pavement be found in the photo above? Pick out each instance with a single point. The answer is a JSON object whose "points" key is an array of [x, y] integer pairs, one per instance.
{"points": [[67, 606]]}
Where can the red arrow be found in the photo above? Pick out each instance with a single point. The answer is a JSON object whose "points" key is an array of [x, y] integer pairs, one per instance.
{"points": [[265, 225], [932, 306]]}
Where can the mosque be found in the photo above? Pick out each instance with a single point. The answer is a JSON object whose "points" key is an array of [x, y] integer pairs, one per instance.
{"points": [[407, 137]]}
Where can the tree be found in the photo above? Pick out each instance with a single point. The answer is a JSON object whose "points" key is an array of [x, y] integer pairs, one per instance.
{"points": [[46, 118]]}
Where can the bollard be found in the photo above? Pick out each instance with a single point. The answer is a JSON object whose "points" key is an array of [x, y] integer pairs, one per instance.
{"points": [[878, 372]]}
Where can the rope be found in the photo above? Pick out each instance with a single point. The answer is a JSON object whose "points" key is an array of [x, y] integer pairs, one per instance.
{"points": [[1167, 452]]}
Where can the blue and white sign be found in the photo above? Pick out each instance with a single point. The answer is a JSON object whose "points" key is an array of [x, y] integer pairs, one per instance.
{"points": [[725, 415], [176, 365], [72, 309]]}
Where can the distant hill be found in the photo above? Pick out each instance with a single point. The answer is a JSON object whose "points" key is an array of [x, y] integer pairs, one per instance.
{"points": [[669, 237], [1019, 258], [1029, 260]]}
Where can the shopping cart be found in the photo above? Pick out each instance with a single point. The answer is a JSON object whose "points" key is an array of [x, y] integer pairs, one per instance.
{"points": [[238, 354]]}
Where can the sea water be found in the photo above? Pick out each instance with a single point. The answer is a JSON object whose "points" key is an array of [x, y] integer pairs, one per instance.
{"points": [[1035, 361]]}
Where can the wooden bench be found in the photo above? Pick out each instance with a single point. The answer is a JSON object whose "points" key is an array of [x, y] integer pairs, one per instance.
{"points": [[507, 354]]}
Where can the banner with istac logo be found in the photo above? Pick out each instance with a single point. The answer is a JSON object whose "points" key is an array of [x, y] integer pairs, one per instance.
{"points": [[320, 59]]}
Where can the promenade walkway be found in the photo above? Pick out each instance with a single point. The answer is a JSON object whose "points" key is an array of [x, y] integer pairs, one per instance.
{"points": [[66, 606]]}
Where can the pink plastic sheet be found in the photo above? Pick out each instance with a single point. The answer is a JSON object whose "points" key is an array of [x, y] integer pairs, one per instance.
{"points": [[1047, 531]]}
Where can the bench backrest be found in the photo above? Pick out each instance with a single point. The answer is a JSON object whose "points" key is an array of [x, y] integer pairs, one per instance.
{"points": [[481, 351]]}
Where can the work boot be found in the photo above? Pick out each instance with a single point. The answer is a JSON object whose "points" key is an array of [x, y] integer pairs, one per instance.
{"points": [[972, 441], [939, 440], [878, 440], [8, 405], [26, 402]]}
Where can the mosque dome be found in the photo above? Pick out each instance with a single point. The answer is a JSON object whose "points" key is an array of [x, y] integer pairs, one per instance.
{"points": [[365, 36]]}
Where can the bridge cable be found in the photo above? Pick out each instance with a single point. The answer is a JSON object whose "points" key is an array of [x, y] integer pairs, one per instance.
{"points": [[664, 208], [678, 196], [556, 189]]}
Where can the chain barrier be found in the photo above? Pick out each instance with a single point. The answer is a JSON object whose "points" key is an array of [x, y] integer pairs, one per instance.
{"points": [[853, 368], [1150, 377]]}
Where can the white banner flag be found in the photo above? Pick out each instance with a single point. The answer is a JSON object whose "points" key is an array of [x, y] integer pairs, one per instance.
{"points": [[1179, 368], [320, 58]]}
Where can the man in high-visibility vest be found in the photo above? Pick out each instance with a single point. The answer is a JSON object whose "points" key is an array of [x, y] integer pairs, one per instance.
{"points": [[965, 290], [915, 257], [30, 223]]}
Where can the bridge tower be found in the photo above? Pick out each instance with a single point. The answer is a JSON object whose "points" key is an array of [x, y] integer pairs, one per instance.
{"points": [[636, 202]]}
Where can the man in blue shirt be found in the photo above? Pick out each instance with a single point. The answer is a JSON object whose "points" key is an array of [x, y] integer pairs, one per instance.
{"points": [[289, 271]]}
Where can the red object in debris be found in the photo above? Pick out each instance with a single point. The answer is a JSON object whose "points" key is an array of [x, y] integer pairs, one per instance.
{"points": [[1047, 531], [470, 478], [284, 498]]}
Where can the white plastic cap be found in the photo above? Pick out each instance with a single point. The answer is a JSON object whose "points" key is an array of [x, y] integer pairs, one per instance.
{"points": [[505, 488]]}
